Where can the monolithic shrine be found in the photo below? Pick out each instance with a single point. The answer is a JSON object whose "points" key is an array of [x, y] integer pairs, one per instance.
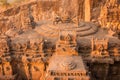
{"points": [[60, 40]]}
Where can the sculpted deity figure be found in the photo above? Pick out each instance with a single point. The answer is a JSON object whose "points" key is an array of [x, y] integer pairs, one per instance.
{"points": [[41, 46], [34, 47], [99, 48], [24, 46], [18, 46], [4, 48], [57, 20], [116, 52]]}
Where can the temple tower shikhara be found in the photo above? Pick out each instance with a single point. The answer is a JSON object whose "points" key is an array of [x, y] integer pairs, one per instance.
{"points": [[66, 64], [66, 45]]}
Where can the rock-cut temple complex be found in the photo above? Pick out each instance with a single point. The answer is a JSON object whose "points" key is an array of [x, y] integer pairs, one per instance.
{"points": [[60, 40]]}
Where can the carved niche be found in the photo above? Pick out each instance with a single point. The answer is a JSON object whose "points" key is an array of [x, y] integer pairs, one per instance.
{"points": [[37, 46], [99, 48], [110, 14], [37, 68], [116, 50], [7, 68], [4, 48]]}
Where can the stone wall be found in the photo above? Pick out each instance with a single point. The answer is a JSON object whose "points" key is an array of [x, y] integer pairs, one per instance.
{"points": [[18, 16], [105, 71]]}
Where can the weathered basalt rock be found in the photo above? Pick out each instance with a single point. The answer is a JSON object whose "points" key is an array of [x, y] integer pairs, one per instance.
{"points": [[49, 39]]}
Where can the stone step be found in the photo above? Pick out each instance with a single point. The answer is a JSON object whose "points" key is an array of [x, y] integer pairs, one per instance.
{"points": [[83, 28], [86, 33]]}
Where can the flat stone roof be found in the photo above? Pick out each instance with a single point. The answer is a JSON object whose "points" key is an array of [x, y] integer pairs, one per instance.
{"points": [[57, 61]]}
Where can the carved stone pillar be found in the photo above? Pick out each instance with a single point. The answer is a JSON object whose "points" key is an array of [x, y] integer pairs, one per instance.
{"points": [[1, 71], [7, 68], [87, 10]]}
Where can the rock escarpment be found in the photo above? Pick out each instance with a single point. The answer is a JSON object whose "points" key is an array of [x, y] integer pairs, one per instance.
{"points": [[32, 33], [21, 15]]}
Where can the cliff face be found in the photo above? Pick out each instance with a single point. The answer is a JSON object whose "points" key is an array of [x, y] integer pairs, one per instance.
{"points": [[19, 16], [24, 58]]}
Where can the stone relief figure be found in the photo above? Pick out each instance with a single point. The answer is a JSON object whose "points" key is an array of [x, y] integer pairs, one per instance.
{"points": [[64, 19], [57, 19], [99, 48], [24, 47], [109, 16], [102, 50], [34, 47], [18, 47], [7, 68], [116, 50], [4, 48], [40, 45], [32, 22], [103, 16], [24, 65], [114, 28], [13, 47], [36, 69]]}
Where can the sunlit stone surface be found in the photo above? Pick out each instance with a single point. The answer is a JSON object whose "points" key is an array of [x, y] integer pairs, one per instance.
{"points": [[60, 40]]}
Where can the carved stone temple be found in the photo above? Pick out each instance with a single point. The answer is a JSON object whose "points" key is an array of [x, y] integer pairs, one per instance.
{"points": [[60, 40]]}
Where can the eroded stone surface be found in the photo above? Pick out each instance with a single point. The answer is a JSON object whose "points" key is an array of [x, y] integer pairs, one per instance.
{"points": [[52, 40]]}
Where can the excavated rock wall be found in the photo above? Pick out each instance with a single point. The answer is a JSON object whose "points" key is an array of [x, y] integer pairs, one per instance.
{"points": [[18, 16], [104, 71]]}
